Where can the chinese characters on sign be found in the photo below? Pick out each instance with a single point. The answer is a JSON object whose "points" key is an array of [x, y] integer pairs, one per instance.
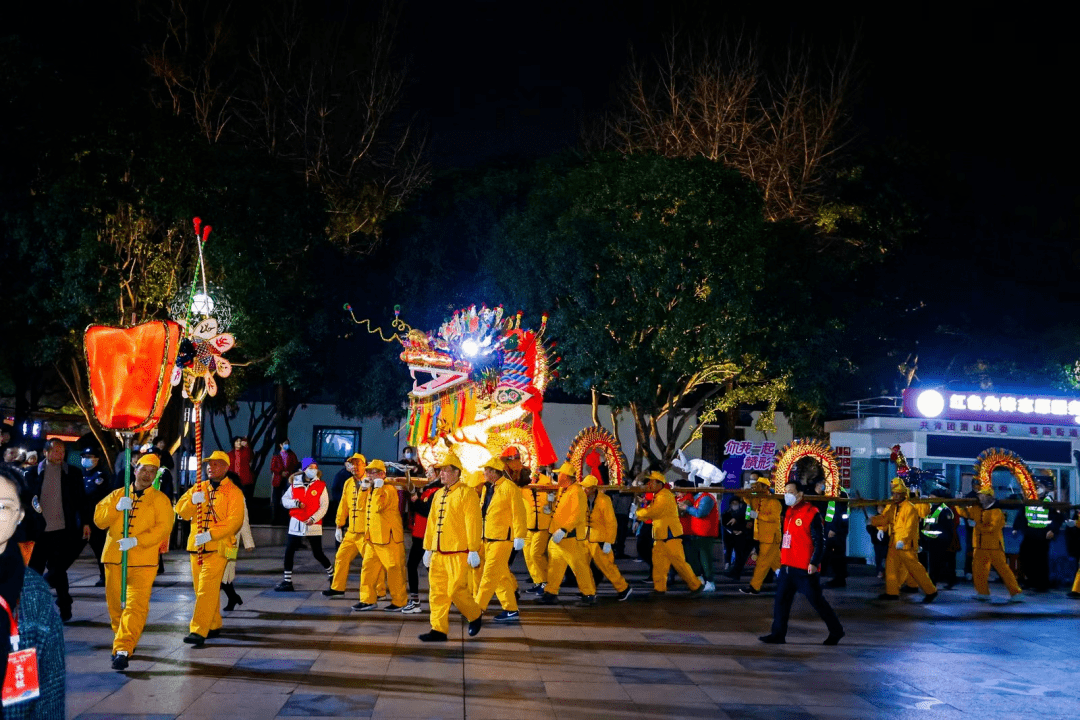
{"points": [[998, 429], [755, 457], [843, 459]]}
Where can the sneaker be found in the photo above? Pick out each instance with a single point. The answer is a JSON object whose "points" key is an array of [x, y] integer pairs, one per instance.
{"points": [[927, 599], [748, 590], [980, 598], [332, 592], [548, 599], [120, 661], [411, 608], [195, 639], [1017, 598], [834, 638], [433, 636], [474, 626], [393, 608], [362, 606], [771, 639], [535, 589], [507, 616], [887, 596], [709, 587], [625, 593], [284, 586]]}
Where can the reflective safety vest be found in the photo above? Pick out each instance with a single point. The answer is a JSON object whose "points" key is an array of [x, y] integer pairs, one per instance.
{"points": [[929, 528], [830, 511], [1037, 516]]}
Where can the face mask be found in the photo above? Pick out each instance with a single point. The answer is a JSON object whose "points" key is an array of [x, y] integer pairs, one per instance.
{"points": [[87, 463], [284, 447], [310, 473], [408, 456], [789, 499]]}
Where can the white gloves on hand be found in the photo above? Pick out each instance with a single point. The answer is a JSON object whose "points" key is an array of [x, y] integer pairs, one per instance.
{"points": [[880, 535], [607, 548], [551, 497], [202, 538], [339, 534], [427, 558], [558, 536], [379, 482], [474, 559], [753, 514], [519, 543], [546, 511], [124, 503], [198, 497], [127, 543], [1070, 523], [899, 544]]}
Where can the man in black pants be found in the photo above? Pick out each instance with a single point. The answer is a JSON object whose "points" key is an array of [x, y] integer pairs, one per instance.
{"points": [[801, 549], [1037, 526], [738, 536]]}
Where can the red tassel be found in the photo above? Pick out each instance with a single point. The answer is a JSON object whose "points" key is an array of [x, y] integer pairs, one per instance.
{"points": [[198, 223], [206, 232]]}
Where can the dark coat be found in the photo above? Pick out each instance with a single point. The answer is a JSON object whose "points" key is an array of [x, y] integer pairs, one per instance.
{"points": [[40, 627], [77, 510]]}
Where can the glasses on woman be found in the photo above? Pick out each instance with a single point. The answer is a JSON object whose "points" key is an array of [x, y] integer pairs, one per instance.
{"points": [[8, 509]]}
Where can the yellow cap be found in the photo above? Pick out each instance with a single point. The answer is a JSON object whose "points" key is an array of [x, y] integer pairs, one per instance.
{"points": [[590, 481], [764, 480], [451, 460], [151, 459], [376, 465], [568, 469], [495, 464], [358, 456], [656, 475], [987, 490], [898, 485], [218, 455], [474, 480]]}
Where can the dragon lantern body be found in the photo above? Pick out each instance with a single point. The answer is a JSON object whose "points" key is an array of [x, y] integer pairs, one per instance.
{"points": [[478, 387]]}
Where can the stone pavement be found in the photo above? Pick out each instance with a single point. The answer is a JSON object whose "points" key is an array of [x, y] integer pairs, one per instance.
{"points": [[299, 654]]}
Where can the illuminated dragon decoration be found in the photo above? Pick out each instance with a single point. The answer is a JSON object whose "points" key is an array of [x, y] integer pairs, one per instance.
{"points": [[596, 446], [922, 481], [994, 459], [796, 450]]}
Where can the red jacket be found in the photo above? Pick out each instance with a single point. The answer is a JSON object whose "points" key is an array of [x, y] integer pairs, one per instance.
{"points": [[282, 469], [240, 463], [708, 526], [803, 542]]}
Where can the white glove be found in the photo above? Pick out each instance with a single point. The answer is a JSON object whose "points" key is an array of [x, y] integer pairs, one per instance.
{"points": [[339, 534], [127, 543], [899, 544], [880, 535], [607, 548], [519, 543], [124, 503], [202, 538], [427, 558], [753, 514], [379, 482], [1070, 523], [558, 536], [551, 497], [474, 559], [198, 497], [546, 511]]}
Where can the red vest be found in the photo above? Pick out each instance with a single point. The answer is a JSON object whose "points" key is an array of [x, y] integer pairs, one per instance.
{"points": [[708, 526], [310, 497], [686, 521], [419, 522], [796, 547]]}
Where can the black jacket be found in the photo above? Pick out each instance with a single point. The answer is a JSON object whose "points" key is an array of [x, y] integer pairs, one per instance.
{"points": [[77, 510]]}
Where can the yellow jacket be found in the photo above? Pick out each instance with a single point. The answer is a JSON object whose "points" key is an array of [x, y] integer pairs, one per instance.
{"points": [[986, 535], [150, 521], [902, 520], [535, 499], [767, 523], [222, 514], [664, 513], [568, 513], [505, 516], [454, 523], [383, 513], [600, 520], [351, 509]]}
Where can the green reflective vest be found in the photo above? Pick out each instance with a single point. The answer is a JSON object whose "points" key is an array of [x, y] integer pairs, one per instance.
{"points": [[1037, 516], [830, 511], [929, 528]]}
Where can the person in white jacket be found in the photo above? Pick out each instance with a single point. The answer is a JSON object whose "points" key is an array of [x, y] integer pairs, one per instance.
{"points": [[307, 501]]}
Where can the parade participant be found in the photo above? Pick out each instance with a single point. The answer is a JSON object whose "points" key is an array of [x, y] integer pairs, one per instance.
{"points": [[1072, 544], [902, 518], [801, 550], [835, 517], [228, 578], [600, 532], [307, 501], [419, 508], [503, 514], [149, 521], [765, 512], [384, 551], [703, 525], [520, 476], [475, 482], [351, 521], [989, 546], [215, 507], [738, 536], [283, 465], [667, 552], [1037, 526], [537, 520], [97, 483], [938, 533], [451, 546], [566, 547]]}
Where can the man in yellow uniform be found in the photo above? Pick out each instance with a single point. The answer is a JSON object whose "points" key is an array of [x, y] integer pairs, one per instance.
{"points": [[988, 546], [503, 513], [567, 544], [384, 551], [452, 546], [667, 551], [537, 520], [149, 522], [902, 519], [351, 531], [765, 511], [600, 532], [215, 508], [475, 482]]}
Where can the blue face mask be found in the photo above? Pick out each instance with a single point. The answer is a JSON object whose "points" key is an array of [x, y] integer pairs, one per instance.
{"points": [[284, 447], [87, 463]]}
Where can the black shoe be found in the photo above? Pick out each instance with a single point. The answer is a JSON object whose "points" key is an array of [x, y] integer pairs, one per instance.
{"points": [[474, 626], [887, 596], [908, 589], [393, 608], [363, 606], [625, 593], [537, 589], [1073, 595], [433, 636], [120, 661], [749, 591], [930, 598], [332, 592], [195, 639], [834, 638], [771, 639], [548, 599], [284, 586], [210, 634], [588, 600], [507, 616], [836, 584]]}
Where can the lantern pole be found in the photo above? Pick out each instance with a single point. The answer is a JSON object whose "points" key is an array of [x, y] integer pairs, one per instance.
{"points": [[127, 436]]}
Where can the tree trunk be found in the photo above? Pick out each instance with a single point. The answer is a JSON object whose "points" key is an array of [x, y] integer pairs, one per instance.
{"points": [[281, 420]]}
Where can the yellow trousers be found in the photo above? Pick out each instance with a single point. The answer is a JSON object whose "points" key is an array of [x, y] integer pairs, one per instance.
{"points": [[535, 552], [981, 562], [383, 565], [497, 579], [448, 583], [768, 558], [570, 552], [206, 579], [667, 554], [128, 623], [606, 563], [1076, 582], [352, 545], [902, 565], [476, 574]]}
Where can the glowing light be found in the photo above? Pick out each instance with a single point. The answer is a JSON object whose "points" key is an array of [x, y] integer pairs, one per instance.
{"points": [[974, 402], [1008, 404], [991, 403], [957, 402], [930, 403], [1025, 405], [202, 304], [470, 348], [1059, 407]]}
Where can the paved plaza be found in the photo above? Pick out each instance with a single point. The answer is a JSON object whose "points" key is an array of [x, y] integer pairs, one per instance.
{"points": [[287, 655]]}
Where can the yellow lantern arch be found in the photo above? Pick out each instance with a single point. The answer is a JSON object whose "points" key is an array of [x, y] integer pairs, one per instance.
{"points": [[796, 450], [997, 458]]}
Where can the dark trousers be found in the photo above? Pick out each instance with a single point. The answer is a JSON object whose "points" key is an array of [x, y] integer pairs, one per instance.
{"points": [[97, 546], [54, 552], [742, 550], [295, 541], [278, 514], [249, 494], [1035, 560], [645, 543], [835, 559], [791, 580], [937, 563], [622, 529], [412, 565]]}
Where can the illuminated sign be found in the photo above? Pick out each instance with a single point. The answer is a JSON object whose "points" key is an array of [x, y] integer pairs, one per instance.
{"points": [[991, 407]]}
